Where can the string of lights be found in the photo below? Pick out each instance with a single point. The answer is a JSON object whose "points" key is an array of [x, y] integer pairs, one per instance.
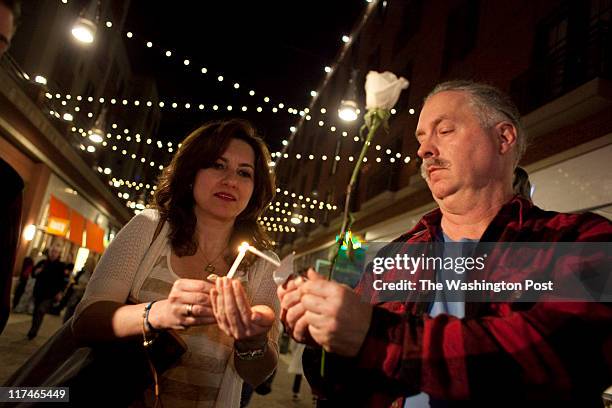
{"points": [[168, 147], [186, 62], [392, 156], [167, 104], [302, 197], [294, 214], [270, 226]]}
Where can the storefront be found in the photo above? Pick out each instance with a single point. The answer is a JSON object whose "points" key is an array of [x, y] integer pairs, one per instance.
{"points": [[83, 214], [67, 218]]}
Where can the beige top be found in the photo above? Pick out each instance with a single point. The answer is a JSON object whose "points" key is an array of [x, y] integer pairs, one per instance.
{"points": [[130, 269]]}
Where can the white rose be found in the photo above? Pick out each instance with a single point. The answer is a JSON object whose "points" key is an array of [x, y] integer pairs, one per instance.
{"points": [[383, 90]]}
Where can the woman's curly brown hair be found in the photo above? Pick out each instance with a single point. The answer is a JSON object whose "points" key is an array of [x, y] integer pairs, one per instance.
{"points": [[174, 194]]}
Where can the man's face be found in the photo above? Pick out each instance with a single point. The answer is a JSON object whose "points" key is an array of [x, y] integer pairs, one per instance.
{"points": [[7, 28], [458, 154]]}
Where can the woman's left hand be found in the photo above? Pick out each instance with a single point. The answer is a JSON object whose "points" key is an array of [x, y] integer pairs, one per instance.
{"points": [[235, 316]]}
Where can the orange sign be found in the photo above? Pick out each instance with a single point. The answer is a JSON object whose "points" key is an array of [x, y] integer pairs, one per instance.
{"points": [[58, 209], [77, 226], [57, 226], [94, 237]]}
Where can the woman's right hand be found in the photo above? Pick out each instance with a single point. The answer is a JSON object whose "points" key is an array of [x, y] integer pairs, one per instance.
{"points": [[188, 304]]}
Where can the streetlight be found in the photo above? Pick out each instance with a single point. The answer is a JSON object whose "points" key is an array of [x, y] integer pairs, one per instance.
{"points": [[348, 110], [86, 25]]}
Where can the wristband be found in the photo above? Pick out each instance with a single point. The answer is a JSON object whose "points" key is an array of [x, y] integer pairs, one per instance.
{"points": [[145, 315]]}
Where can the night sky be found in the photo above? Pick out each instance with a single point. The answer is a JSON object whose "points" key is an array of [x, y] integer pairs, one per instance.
{"points": [[278, 49]]}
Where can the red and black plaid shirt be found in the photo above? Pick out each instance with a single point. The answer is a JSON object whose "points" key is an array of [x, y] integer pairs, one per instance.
{"points": [[499, 353]]}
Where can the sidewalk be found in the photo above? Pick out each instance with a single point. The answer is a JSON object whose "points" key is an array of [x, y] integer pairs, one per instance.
{"points": [[15, 349]]}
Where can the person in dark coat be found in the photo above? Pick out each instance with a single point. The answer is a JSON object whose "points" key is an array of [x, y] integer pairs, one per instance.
{"points": [[24, 276], [48, 288]]}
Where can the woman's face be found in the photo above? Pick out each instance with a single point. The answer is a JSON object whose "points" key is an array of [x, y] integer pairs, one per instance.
{"points": [[223, 190]]}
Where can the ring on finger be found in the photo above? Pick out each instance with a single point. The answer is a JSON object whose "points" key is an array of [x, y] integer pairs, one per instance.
{"points": [[189, 310]]}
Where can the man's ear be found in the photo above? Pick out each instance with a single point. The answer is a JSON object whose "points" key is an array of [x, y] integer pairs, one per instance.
{"points": [[506, 136]]}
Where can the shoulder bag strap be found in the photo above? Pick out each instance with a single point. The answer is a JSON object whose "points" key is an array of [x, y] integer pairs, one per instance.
{"points": [[158, 229]]}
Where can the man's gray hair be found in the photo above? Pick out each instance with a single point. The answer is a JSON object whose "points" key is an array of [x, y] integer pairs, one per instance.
{"points": [[492, 106]]}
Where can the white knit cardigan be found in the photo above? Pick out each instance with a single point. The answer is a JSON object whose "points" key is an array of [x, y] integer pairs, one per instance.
{"points": [[129, 259]]}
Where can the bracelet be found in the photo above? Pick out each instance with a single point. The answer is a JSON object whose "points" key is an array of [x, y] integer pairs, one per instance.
{"points": [[147, 326], [250, 355]]}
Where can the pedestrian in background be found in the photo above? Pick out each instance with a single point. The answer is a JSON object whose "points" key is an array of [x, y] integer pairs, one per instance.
{"points": [[24, 276], [49, 275]]}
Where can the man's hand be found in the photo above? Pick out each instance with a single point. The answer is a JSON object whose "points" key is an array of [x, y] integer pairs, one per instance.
{"points": [[292, 310], [333, 315]]}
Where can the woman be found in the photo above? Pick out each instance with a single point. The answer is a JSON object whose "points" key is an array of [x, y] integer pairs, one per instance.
{"points": [[209, 199]]}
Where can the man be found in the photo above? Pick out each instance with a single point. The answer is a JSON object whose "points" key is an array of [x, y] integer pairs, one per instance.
{"points": [[48, 288], [435, 353]]}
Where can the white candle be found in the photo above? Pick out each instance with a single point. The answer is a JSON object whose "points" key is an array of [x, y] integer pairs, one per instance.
{"points": [[263, 256], [241, 253]]}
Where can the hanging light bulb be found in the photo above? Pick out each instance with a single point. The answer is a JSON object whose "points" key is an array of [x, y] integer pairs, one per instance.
{"points": [[86, 25], [348, 110], [84, 30], [96, 134]]}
